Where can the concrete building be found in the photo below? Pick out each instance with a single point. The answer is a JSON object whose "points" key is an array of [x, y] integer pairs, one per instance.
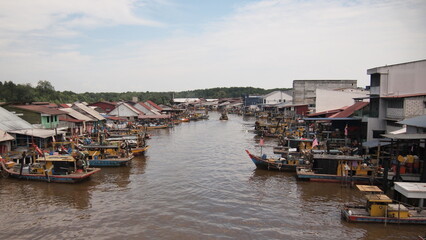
{"points": [[338, 98], [277, 97], [304, 91], [397, 92]]}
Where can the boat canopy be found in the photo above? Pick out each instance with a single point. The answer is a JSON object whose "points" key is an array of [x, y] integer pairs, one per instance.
{"points": [[56, 158], [378, 198], [99, 146], [369, 188]]}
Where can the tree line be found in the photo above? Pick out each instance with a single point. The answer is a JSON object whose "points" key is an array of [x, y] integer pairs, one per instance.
{"points": [[45, 92]]}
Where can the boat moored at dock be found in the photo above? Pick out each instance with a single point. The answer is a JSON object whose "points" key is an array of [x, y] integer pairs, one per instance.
{"points": [[50, 168], [337, 168]]}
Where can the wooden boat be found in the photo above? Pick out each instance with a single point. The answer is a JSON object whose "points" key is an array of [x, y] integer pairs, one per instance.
{"points": [[108, 155], [224, 116], [136, 151], [162, 126], [51, 168], [337, 168], [381, 209], [281, 164]]}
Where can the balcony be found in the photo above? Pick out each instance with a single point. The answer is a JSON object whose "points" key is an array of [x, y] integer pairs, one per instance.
{"points": [[395, 113]]}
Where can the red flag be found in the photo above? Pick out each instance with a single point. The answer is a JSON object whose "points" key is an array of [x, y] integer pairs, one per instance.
{"points": [[315, 143], [261, 142]]}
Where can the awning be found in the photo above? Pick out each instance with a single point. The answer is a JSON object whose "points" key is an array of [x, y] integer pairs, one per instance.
{"points": [[153, 116], [405, 136], [374, 143], [399, 131], [4, 136], [36, 132]]}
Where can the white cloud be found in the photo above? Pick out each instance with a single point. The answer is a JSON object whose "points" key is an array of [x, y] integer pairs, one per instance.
{"points": [[264, 44], [29, 15]]}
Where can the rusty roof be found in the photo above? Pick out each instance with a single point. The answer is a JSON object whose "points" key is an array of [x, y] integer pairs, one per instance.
{"points": [[40, 109], [349, 111]]}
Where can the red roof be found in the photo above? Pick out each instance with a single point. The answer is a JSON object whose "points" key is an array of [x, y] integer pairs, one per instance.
{"points": [[40, 109], [70, 120], [115, 118], [328, 112], [154, 105], [63, 105], [145, 106], [350, 110]]}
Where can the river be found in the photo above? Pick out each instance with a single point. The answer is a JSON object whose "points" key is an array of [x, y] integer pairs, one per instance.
{"points": [[195, 182]]}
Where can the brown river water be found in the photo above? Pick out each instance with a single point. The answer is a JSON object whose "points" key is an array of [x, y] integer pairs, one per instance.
{"points": [[195, 182]]}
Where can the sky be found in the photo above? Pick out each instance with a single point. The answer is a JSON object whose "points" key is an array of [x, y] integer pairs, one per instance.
{"points": [[178, 45]]}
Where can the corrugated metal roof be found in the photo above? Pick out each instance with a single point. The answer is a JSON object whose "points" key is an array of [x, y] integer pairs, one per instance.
{"points": [[405, 136], [154, 105], [350, 110], [89, 111], [75, 114], [39, 109], [4, 136], [419, 121], [36, 132], [9, 121]]}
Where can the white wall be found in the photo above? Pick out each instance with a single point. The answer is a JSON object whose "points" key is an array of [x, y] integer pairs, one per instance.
{"points": [[403, 79], [275, 97], [333, 99], [123, 111]]}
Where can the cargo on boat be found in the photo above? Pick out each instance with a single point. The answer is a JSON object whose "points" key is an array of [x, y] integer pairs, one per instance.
{"points": [[50, 168], [379, 208], [337, 168]]}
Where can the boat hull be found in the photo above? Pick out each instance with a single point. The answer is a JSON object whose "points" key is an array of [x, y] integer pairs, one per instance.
{"points": [[112, 162], [268, 165], [368, 219], [70, 178], [139, 151], [314, 177]]}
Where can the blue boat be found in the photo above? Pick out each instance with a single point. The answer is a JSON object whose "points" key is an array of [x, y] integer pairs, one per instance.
{"points": [[107, 155]]}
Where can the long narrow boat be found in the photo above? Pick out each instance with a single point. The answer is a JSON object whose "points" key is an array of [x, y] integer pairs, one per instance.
{"points": [[107, 155], [139, 150], [281, 164], [381, 209], [337, 168], [51, 168], [162, 126]]}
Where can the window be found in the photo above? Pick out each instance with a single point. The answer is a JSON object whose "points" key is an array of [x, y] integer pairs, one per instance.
{"points": [[48, 119], [378, 133], [396, 103], [374, 107], [375, 80]]}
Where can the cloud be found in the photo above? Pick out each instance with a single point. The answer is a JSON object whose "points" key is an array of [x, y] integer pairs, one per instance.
{"points": [[264, 44], [32, 15]]}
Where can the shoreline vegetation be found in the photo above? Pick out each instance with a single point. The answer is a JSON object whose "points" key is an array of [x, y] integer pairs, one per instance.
{"points": [[45, 92]]}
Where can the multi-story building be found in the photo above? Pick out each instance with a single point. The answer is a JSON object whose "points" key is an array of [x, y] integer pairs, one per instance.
{"points": [[304, 91], [397, 92]]}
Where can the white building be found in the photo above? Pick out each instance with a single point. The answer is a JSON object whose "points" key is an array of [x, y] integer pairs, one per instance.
{"points": [[333, 99], [277, 97], [124, 110], [397, 92]]}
